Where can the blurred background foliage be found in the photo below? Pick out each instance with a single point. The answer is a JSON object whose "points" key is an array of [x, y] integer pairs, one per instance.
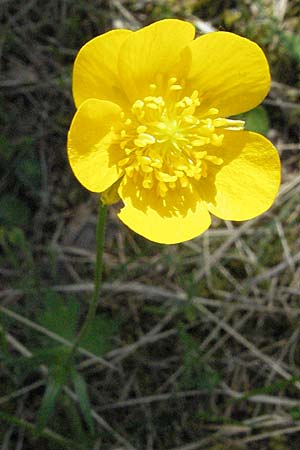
{"points": [[193, 346]]}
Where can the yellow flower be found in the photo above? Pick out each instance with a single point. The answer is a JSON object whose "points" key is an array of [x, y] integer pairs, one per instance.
{"points": [[151, 128]]}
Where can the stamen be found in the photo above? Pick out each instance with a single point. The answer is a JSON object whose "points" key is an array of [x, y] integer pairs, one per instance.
{"points": [[167, 138], [153, 87], [144, 139]]}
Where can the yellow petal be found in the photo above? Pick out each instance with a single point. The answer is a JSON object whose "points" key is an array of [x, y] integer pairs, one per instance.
{"points": [[230, 72], [150, 52], [95, 73], [183, 217], [248, 181], [92, 157]]}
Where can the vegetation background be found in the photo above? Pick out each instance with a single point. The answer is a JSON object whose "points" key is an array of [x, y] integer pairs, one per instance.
{"points": [[195, 346]]}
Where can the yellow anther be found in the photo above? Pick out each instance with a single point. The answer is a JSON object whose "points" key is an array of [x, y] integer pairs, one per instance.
{"points": [[190, 172], [214, 159], [129, 171], [163, 176], [190, 119], [188, 101], [141, 129], [156, 100], [123, 162], [180, 104], [147, 183], [161, 125], [144, 139], [208, 123], [181, 167], [235, 124], [153, 106], [138, 104], [212, 112], [176, 87], [217, 139], [200, 155], [220, 122], [171, 81], [156, 163], [159, 100], [146, 168], [145, 159], [197, 169], [229, 123], [128, 150], [200, 141], [184, 181], [162, 189], [167, 143], [195, 94], [152, 87]]}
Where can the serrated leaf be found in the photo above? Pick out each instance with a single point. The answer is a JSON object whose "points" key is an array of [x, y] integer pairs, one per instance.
{"points": [[98, 338], [83, 399], [77, 428], [191, 312], [50, 357], [60, 314], [56, 380], [196, 374]]}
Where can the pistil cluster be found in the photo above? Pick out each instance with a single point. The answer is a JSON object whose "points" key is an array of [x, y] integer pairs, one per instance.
{"points": [[167, 138]]}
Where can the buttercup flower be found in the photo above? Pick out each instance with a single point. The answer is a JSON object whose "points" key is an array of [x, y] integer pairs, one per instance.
{"points": [[152, 128]]}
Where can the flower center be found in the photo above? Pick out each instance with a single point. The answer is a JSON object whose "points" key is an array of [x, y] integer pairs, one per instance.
{"points": [[167, 139]]}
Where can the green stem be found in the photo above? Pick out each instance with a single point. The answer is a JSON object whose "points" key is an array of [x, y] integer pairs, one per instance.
{"points": [[98, 279]]}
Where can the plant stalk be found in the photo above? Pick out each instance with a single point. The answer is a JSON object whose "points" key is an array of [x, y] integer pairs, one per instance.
{"points": [[100, 234]]}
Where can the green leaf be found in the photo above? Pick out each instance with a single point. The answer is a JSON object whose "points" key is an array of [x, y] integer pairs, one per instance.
{"points": [[29, 174], [195, 375], [83, 399], [291, 41], [13, 211], [76, 428], [50, 357], [191, 312], [56, 380], [257, 120], [60, 314], [6, 149], [98, 338], [295, 413]]}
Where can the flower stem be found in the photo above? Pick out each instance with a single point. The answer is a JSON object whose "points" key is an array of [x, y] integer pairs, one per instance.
{"points": [[98, 278]]}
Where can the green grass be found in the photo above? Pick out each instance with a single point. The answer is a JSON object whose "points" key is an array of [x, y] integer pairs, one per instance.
{"points": [[194, 345]]}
